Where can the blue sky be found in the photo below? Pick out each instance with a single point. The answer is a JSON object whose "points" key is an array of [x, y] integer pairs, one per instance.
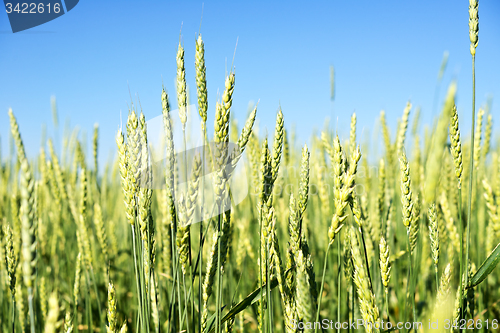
{"points": [[384, 54]]}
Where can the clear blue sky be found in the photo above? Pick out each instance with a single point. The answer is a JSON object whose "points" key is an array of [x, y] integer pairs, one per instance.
{"points": [[384, 53]]}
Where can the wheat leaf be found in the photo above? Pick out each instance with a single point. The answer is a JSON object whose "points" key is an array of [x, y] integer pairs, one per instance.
{"points": [[486, 267]]}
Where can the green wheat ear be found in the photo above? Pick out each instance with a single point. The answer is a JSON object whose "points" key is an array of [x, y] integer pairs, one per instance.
{"points": [[181, 86], [434, 234], [27, 212], [68, 322], [201, 79], [111, 327], [385, 265], [444, 286], [53, 315], [402, 129], [456, 146], [11, 260], [368, 307], [473, 25], [406, 193], [478, 137]]}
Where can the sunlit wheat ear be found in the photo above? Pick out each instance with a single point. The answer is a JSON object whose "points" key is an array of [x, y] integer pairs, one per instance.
{"points": [[328, 147], [381, 199], [201, 79], [456, 146], [59, 177], [434, 234], [133, 151], [100, 231], [277, 146], [170, 159], [478, 137], [227, 96], [338, 172], [304, 302], [209, 278], [400, 143], [68, 322], [493, 213], [53, 315], [444, 286], [473, 25], [470, 292], [367, 304], [193, 189], [344, 196], [487, 136], [352, 134], [111, 327], [124, 328], [265, 173], [43, 296], [418, 168], [78, 276], [350, 174], [323, 189], [145, 169], [82, 226], [385, 265], [183, 232], [406, 194], [181, 86], [387, 139], [304, 182], [415, 224], [144, 202], [294, 227], [27, 213], [11, 260], [128, 191], [242, 142]]}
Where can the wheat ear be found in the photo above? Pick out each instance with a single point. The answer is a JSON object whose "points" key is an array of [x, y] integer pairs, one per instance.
{"points": [[10, 260], [478, 137], [27, 212], [111, 327], [434, 237], [473, 26], [68, 322], [181, 86], [387, 139], [53, 315], [487, 136], [402, 129], [456, 146], [369, 309], [352, 134], [385, 265], [201, 79]]}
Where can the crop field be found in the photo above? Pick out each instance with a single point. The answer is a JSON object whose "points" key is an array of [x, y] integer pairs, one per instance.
{"points": [[252, 232]]}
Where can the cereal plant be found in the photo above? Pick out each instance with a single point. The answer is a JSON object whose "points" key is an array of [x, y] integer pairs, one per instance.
{"points": [[317, 242]]}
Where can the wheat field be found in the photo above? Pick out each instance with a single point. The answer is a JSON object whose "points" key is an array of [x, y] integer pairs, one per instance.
{"points": [[254, 233]]}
